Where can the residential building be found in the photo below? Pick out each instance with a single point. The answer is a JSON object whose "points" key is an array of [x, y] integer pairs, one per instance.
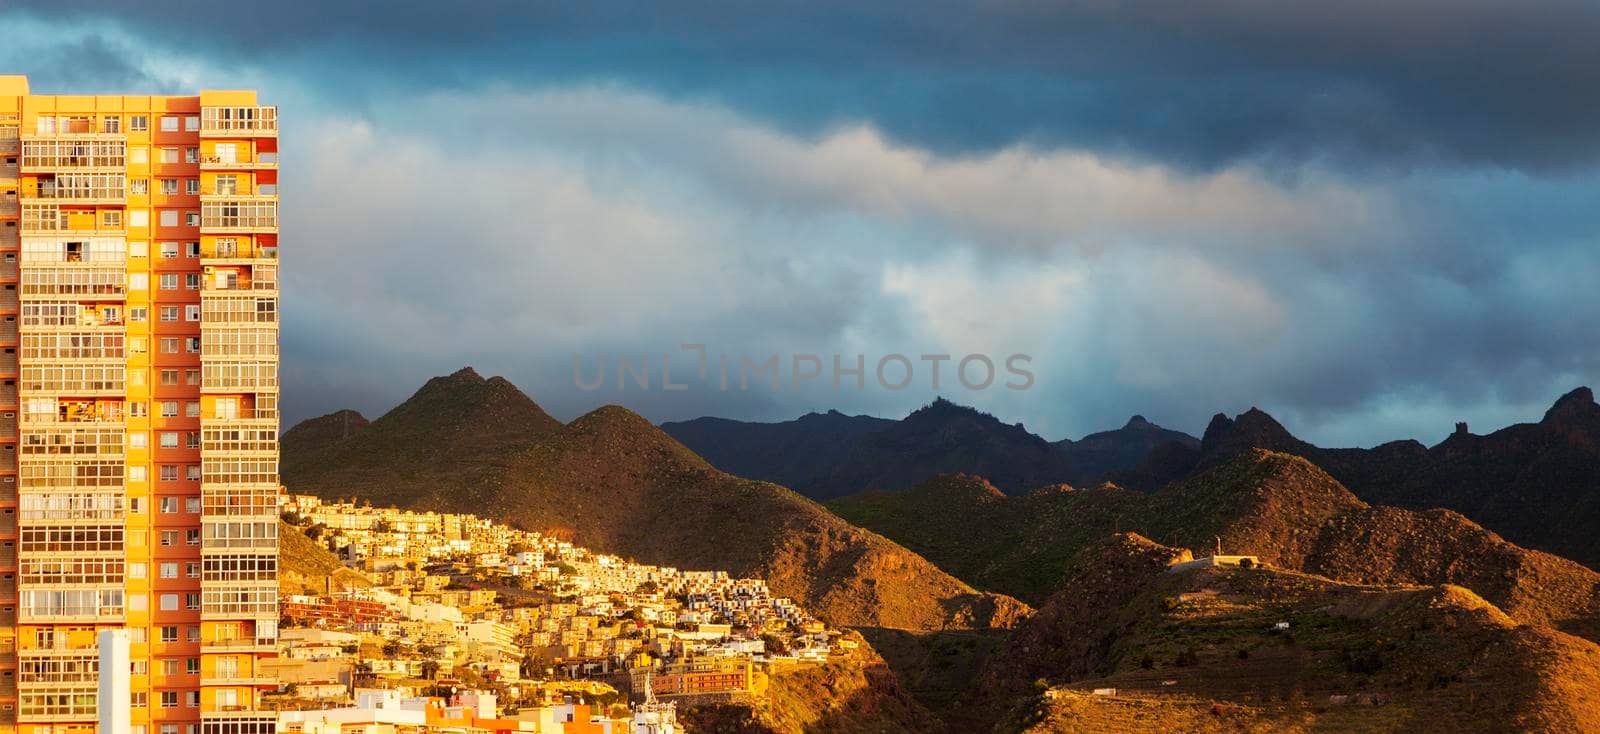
{"points": [[138, 405]]}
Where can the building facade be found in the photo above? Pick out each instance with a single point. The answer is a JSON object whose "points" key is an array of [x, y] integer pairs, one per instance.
{"points": [[138, 406]]}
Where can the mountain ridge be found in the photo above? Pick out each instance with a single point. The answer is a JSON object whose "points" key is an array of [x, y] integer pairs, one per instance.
{"points": [[614, 482], [828, 455]]}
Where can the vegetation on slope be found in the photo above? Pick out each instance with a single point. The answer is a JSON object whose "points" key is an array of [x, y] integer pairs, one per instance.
{"points": [[1278, 507], [1202, 649], [306, 567]]}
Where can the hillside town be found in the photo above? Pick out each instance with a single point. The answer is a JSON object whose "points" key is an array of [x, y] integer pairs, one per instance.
{"points": [[446, 620]]}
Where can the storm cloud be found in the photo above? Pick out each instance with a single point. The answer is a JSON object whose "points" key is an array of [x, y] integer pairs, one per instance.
{"points": [[1371, 219]]}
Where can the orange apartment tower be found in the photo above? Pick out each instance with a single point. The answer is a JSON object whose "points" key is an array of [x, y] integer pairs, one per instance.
{"points": [[138, 406]]}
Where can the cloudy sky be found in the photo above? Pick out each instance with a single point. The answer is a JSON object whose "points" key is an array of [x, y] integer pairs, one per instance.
{"points": [[1369, 218]]}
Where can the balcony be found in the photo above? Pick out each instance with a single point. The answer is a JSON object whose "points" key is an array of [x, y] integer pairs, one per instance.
{"points": [[239, 645], [75, 151], [239, 122], [239, 679], [99, 195], [262, 162], [238, 213]]}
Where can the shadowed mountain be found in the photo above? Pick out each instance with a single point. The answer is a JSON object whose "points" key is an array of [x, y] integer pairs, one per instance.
{"points": [[1537, 484], [1096, 454], [1274, 650], [1279, 507], [797, 454], [830, 455], [620, 485]]}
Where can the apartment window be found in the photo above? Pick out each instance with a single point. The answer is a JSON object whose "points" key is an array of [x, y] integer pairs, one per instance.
{"points": [[191, 505], [169, 473], [191, 312], [169, 313], [169, 345], [111, 219], [169, 409], [227, 246], [191, 344], [191, 123], [169, 218], [194, 633], [192, 569], [192, 186], [169, 570], [169, 250], [169, 155], [138, 281], [228, 184], [138, 409], [169, 728], [169, 281], [194, 476], [192, 537], [139, 123], [140, 699], [169, 377], [169, 186], [136, 474], [169, 602], [139, 155], [191, 409], [138, 314], [191, 249], [111, 124], [137, 345], [137, 570], [192, 155], [192, 601], [191, 281], [169, 124], [169, 634], [139, 186], [192, 377], [169, 699], [169, 538], [169, 505], [192, 219], [169, 439], [138, 440]]}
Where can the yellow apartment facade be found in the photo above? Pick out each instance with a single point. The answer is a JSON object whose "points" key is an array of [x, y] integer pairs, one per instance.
{"points": [[138, 406]]}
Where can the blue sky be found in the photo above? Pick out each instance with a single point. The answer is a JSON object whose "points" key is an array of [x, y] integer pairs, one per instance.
{"points": [[1371, 219]]}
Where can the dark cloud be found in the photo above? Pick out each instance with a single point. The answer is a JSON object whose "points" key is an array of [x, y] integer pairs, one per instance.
{"points": [[1369, 218], [1366, 83]]}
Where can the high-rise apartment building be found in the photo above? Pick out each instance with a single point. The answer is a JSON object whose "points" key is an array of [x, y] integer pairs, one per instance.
{"points": [[138, 406]]}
